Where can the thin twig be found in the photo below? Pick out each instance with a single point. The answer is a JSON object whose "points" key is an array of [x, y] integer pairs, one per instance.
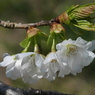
{"points": [[13, 25]]}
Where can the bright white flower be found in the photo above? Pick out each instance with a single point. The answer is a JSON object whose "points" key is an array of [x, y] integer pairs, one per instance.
{"points": [[13, 64], [30, 70], [25, 65], [75, 54], [51, 66]]}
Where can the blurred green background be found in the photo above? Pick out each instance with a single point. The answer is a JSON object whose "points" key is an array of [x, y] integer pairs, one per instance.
{"points": [[27, 11]]}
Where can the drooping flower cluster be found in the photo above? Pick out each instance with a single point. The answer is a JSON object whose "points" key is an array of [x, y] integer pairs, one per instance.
{"points": [[25, 65], [71, 56]]}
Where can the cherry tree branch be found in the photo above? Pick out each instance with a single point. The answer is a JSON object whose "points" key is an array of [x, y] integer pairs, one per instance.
{"points": [[13, 25], [9, 90]]}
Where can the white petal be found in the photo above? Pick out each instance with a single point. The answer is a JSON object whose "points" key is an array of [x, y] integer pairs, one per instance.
{"points": [[79, 40], [62, 44], [47, 61], [5, 54], [92, 48], [61, 57], [7, 61], [61, 73], [39, 60], [86, 57], [88, 45], [44, 67], [74, 63], [26, 76], [48, 58], [89, 59], [91, 54], [25, 60], [10, 70], [55, 66], [22, 55], [13, 70], [65, 70], [17, 69], [32, 70], [78, 71], [50, 75]]}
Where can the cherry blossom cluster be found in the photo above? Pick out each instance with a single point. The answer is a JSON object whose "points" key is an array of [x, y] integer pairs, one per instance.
{"points": [[69, 58]]}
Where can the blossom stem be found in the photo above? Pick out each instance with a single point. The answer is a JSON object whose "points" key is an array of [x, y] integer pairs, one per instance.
{"points": [[53, 45], [36, 48]]}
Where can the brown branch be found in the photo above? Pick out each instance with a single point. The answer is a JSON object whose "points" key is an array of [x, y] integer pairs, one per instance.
{"points": [[13, 25], [9, 90], [63, 18]]}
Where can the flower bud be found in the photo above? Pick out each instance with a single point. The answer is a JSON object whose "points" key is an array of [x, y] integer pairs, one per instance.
{"points": [[80, 12], [32, 31], [63, 18], [56, 28], [57, 34], [80, 16]]}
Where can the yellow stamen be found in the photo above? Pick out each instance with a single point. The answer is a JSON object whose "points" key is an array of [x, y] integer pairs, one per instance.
{"points": [[71, 50]]}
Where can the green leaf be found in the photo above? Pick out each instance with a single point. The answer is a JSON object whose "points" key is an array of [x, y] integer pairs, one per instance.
{"points": [[43, 36], [24, 43], [70, 9], [86, 25], [76, 30]]}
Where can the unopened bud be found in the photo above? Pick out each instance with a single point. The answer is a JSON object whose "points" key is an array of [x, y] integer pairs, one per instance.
{"points": [[63, 18], [56, 27], [32, 31], [81, 12]]}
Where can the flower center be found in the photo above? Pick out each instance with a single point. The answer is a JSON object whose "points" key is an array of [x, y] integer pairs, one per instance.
{"points": [[71, 50], [53, 60], [33, 58]]}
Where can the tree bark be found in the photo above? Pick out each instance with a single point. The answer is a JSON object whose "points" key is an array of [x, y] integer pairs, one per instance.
{"points": [[9, 90]]}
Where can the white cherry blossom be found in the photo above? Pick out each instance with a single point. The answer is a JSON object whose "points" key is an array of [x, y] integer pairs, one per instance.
{"points": [[30, 71], [13, 64], [51, 66], [24, 65], [75, 54]]}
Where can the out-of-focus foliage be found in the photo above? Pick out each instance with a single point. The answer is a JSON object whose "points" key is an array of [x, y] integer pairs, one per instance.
{"points": [[27, 11]]}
